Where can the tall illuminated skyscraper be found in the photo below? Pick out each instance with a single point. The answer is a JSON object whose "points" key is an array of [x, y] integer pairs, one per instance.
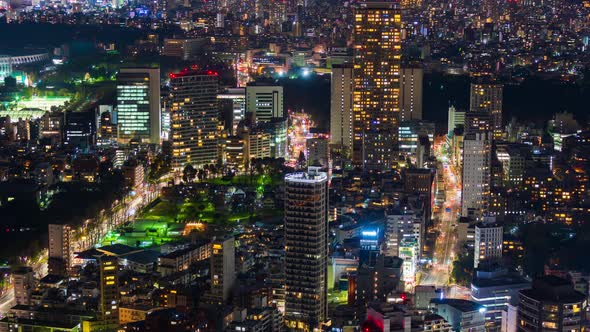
{"points": [[306, 249], [486, 97], [193, 118], [138, 105], [376, 96], [341, 106]]}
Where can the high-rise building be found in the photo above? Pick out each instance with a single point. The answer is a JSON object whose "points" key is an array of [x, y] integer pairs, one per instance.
{"points": [[237, 98], [488, 243], [409, 133], [24, 283], [138, 105], [193, 117], [109, 290], [552, 304], [318, 151], [80, 130], [477, 157], [376, 90], [487, 97], [478, 122], [235, 154], [264, 101], [403, 225], [257, 145], [496, 288], [411, 94], [306, 249], [108, 129], [61, 252], [277, 128], [223, 268], [455, 119], [463, 315], [183, 48], [341, 106]]}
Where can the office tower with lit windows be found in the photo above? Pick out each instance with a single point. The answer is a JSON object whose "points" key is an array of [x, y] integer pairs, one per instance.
{"points": [[341, 106], [264, 101], [488, 243], [486, 97], [306, 249], [477, 157], [109, 290], [411, 93], [61, 252], [138, 105], [376, 92], [223, 269], [193, 118]]}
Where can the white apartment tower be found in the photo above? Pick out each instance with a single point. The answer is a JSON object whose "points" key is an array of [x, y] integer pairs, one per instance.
{"points": [[476, 174], [488, 243]]}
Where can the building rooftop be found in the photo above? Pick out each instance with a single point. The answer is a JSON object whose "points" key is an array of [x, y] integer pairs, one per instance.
{"points": [[553, 289], [312, 175], [50, 326], [504, 280], [459, 304], [117, 249], [143, 257], [193, 72]]}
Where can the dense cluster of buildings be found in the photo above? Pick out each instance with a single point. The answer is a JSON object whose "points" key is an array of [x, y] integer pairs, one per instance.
{"points": [[383, 222]]}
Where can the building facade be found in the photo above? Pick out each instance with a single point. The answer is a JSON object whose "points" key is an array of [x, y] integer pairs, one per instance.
{"points": [[193, 117], [223, 268], [341, 131], [265, 102], [488, 243], [376, 92], [551, 304], [138, 105], [306, 249], [476, 174], [411, 93], [487, 98]]}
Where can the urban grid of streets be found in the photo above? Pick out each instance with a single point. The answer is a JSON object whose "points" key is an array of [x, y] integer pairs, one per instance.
{"points": [[443, 254], [446, 245]]}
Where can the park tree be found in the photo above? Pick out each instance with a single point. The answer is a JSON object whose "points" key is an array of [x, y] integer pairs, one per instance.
{"points": [[189, 173]]}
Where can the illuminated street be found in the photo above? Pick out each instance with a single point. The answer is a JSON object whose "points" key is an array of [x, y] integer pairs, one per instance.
{"points": [[446, 242]]}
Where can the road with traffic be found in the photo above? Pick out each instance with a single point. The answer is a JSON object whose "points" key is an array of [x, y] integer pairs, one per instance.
{"points": [[445, 247]]}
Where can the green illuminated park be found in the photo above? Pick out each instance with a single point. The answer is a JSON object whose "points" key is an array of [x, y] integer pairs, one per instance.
{"points": [[167, 221]]}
